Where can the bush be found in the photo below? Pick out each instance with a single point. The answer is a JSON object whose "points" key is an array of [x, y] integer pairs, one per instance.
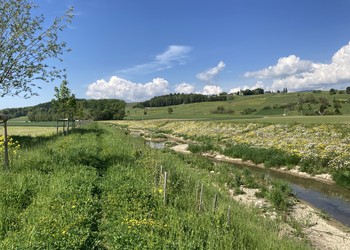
{"points": [[342, 178], [280, 194], [248, 111]]}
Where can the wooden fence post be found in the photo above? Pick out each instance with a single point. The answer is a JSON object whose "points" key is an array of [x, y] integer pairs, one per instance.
{"points": [[215, 202], [164, 188], [4, 119], [228, 215], [56, 127], [201, 199], [6, 148]]}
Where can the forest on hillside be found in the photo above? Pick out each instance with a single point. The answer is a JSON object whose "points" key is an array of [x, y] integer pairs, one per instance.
{"points": [[80, 109], [177, 98]]}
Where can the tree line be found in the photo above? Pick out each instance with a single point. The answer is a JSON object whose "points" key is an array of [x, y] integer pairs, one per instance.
{"points": [[177, 98], [83, 109]]}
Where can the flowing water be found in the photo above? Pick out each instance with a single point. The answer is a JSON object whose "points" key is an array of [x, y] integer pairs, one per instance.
{"points": [[329, 198], [157, 145]]}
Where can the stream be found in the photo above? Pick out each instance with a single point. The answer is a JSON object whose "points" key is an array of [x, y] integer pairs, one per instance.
{"points": [[329, 198]]}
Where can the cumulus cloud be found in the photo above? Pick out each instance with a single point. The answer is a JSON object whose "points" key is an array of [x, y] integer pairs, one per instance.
{"points": [[211, 90], [126, 90], [295, 74], [322, 75], [184, 88], [208, 76], [285, 66], [258, 84], [174, 55]]}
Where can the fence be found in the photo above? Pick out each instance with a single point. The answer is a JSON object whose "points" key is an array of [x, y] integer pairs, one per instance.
{"points": [[66, 124], [3, 120], [163, 176]]}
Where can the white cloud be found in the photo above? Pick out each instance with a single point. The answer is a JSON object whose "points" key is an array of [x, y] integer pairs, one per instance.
{"points": [[259, 84], [211, 90], [285, 66], [126, 90], [208, 76], [323, 75], [295, 74], [174, 55], [184, 88]]}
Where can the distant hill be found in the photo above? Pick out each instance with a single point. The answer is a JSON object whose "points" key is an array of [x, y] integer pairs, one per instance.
{"points": [[239, 106], [223, 106]]}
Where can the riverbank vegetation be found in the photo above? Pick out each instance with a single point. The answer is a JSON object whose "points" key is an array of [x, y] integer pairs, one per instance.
{"points": [[314, 148], [101, 188]]}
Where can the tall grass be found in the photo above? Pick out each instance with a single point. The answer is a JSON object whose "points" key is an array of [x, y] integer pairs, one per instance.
{"points": [[101, 189], [269, 156]]}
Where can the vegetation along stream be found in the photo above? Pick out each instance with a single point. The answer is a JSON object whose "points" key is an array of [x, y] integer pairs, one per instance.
{"points": [[329, 198]]}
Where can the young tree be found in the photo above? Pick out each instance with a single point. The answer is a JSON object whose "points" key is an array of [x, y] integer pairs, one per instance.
{"points": [[170, 110], [26, 45], [347, 90], [65, 101], [332, 91]]}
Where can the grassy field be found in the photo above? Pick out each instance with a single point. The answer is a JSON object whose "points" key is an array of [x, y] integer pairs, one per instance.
{"points": [[29, 130], [334, 119], [21, 126], [99, 188], [268, 105], [24, 122]]}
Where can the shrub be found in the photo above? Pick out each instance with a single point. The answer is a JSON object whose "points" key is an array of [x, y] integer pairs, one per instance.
{"points": [[280, 194]]}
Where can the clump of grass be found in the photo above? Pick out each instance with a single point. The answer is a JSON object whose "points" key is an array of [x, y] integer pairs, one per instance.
{"points": [[280, 195], [201, 148], [342, 178], [323, 214]]}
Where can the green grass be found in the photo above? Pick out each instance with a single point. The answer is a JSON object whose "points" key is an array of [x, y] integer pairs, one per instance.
{"points": [[101, 189], [259, 102], [29, 130]]}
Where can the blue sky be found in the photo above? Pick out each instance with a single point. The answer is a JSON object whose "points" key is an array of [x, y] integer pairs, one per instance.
{"points": [[136, 49]]}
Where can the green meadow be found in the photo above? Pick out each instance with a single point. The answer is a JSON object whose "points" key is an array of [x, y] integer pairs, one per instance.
{"points": [[268, 107], [100, 188]]}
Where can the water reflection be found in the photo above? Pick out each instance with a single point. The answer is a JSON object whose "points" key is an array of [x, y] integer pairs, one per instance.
{"points": [[157, 145]]}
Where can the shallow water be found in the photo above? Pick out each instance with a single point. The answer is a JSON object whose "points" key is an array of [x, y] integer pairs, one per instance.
{"points": [[157, 145], [330, 198]]}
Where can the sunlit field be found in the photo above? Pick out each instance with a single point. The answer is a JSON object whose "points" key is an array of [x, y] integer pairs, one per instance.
{"points": [[29, 130], [316, 148]]}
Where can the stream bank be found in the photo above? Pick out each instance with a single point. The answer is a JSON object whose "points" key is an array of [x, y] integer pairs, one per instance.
{"points": [[324, 209], [323, 233]]}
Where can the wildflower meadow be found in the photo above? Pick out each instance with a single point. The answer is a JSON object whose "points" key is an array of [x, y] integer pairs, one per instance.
{"points": [[317, 148]]}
